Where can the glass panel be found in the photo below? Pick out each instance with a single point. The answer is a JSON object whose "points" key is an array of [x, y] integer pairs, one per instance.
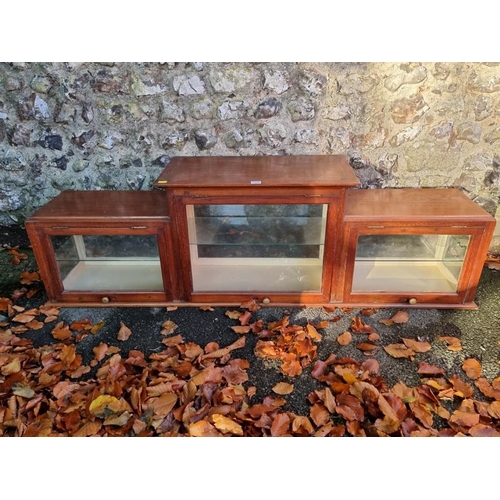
{"points": [[257, 247], [115, 263], [409, 263]]}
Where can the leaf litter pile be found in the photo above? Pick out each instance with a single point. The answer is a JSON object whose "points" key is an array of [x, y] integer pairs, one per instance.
{"points": [[186, 389]]}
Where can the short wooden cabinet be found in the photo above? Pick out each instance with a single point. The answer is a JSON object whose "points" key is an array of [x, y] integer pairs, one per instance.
{"points": [[285, 230], [104, 247], [414, 247]]}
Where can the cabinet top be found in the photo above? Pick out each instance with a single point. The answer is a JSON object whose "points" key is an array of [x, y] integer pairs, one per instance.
{"points": [[107, 205], [411, 204], [256, 171]]}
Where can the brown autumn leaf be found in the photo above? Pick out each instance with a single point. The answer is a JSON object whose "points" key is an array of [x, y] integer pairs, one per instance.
{"points": [[367, 347], [452, 343], [4, 303], [251, 305], [280, 425], [206, 308], [283, 388], [417, 345], [398, 318], [428, 369], [97, 327], [487, 389], [90, 428], [482, 430], [349, 407], [105, 405], [226, 425], [344, 338], [357, 326], [319, 414], [233, 314], [168, 327], [13, 366], [472, 368], [124, 332], [81, 325], [399, 351], [322, 324], [241, 329], [371, 365], [23, 318], [367, 312], [172, 308], [462, 389], [28, 278], [245, 318], [35, 325], [464, 418], [494, 409], [202, 428], [290, 365], [313, 334], [163, 404], [61, 332]]}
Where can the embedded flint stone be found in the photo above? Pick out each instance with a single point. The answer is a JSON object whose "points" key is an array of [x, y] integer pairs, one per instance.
{"points": [[19, 136], [175, 140], [204, 139], [87, 113], [51, 141], [34, 107], [306, 136], [268, 108], [188, 85], [60, 163], [277, 81], [171, 113], [301, 111], [408, 109], [82, 140]]}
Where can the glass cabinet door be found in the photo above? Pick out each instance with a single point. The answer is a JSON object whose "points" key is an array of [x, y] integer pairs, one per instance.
{"points": [[247, 248], [114, 262], [409, 263]]}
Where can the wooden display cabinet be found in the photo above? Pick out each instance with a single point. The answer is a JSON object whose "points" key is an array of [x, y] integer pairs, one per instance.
{"points": [[413, 247], [261, 227], [285, 230], [104, 247]]}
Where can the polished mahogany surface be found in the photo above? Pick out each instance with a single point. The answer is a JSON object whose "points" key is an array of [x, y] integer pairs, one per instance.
{"points": [[410, 204], [107, 205], [256, 171]]}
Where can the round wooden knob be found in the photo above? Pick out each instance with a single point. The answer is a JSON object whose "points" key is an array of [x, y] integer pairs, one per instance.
{"points": [[105, 300], [266, 300], [413, 300]]}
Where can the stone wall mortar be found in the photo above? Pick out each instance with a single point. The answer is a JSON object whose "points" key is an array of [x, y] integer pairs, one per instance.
{"points": [[116, 125]]}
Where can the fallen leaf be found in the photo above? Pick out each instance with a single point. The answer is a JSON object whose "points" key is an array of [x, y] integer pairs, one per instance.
{"points": [[172, 308], [245, 318], [23, 318], [357, 326], [494, 409], [472, 368], [97, 327], [202, 428], [452, 343], [283, 388], [399, 351], [28, 278], [313, 334], [241, 329], [399, 317], [416, 345], [226, 425], [124, 332], [89, 429], [464, 419], [344, 338], [61, 332], [280, 425], [319, 414], [206, 308], [4, 303], [168, 327], [428, 369], [104, 406], [233, 314]]}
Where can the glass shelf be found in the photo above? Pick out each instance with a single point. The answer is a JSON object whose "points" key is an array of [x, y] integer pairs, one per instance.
{"points": [[409, 263], [121, 263], [256, 247]]}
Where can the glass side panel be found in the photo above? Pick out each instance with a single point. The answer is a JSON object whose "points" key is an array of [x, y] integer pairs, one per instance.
{"points": [[115, 263], [257, 247], [409, 263]]}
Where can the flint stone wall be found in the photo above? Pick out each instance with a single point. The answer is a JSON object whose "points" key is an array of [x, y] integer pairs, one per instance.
{"points": [[116, 125]]}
